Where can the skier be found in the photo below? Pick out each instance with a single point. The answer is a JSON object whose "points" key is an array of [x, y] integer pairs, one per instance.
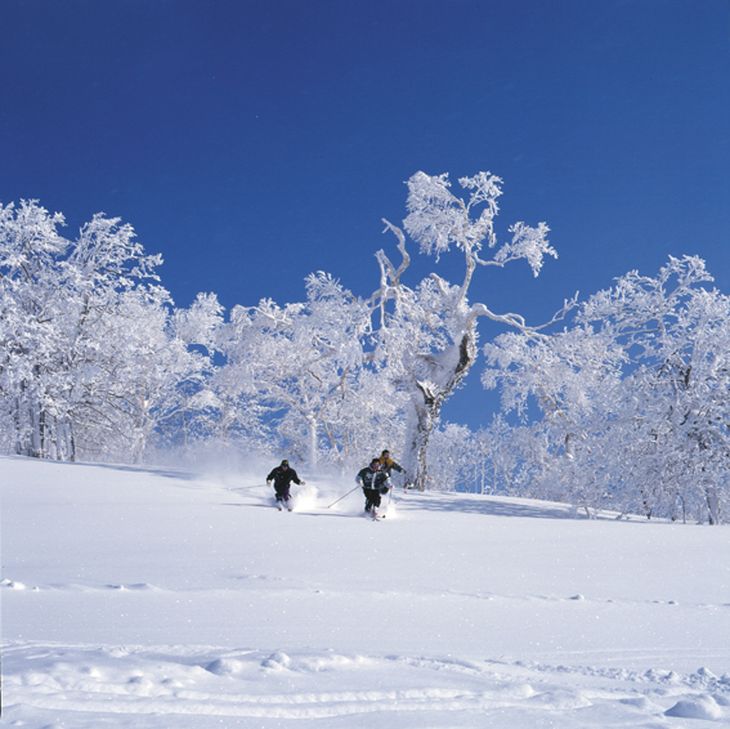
{"points": [[375, 482], [282, 476], [388, 465]]}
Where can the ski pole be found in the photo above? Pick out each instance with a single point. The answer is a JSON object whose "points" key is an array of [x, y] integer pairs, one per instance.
{"points": [[342, 497]]}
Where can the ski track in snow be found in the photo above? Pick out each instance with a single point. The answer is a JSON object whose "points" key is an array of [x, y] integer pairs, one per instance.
{"points": [[125, 684]]}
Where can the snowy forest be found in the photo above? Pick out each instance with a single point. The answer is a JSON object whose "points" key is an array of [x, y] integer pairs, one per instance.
{"points": [[618, 402]]}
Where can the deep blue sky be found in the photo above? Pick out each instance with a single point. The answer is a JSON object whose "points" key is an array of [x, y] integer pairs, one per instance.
{"points": [[254, 142]]}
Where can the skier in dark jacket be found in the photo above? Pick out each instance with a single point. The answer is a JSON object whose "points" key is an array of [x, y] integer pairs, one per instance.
{"points": [[374, 481], [282, 476]]}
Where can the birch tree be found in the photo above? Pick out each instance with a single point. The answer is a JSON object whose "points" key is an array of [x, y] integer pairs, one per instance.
{"points": [[298, 361], [91, 363], [30, 343], [633, 396], [428, 334]]}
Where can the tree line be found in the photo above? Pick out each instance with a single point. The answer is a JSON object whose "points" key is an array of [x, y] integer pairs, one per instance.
{"points": [[619, 401]]}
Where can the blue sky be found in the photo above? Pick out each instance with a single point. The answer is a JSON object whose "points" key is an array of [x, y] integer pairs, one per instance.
{"points": [[253, 142]]}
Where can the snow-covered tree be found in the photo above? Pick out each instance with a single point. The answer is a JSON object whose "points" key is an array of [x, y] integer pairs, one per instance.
{"points": [[91, 364], [498, 463], [427, 335], [633, 396], [299, 362], [29, 246], [452, 458]]}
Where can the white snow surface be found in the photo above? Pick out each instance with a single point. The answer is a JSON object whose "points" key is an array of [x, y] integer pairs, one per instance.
{"points": [[159, 599]]}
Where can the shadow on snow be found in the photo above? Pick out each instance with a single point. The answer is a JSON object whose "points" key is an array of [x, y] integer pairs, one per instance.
{"points": [[488, 507]]}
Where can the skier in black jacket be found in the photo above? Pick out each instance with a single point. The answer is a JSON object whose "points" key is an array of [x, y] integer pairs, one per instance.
{"points": [[374, 482], [282, 476]]}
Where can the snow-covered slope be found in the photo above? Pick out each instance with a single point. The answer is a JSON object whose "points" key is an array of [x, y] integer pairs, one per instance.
{"points": [[152, 598]]}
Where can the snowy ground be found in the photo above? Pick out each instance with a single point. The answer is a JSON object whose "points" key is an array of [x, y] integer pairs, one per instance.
{"points": [[159, 600]]}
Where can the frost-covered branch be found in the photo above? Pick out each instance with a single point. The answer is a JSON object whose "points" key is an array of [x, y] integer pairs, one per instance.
{"points": [[428, 334]]}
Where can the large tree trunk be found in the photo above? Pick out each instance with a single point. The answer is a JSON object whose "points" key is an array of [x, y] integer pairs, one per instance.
{"points": [[423, 418], [428, 399]]}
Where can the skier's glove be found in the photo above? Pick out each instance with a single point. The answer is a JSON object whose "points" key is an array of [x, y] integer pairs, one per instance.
{"points": [[302, 483]]}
